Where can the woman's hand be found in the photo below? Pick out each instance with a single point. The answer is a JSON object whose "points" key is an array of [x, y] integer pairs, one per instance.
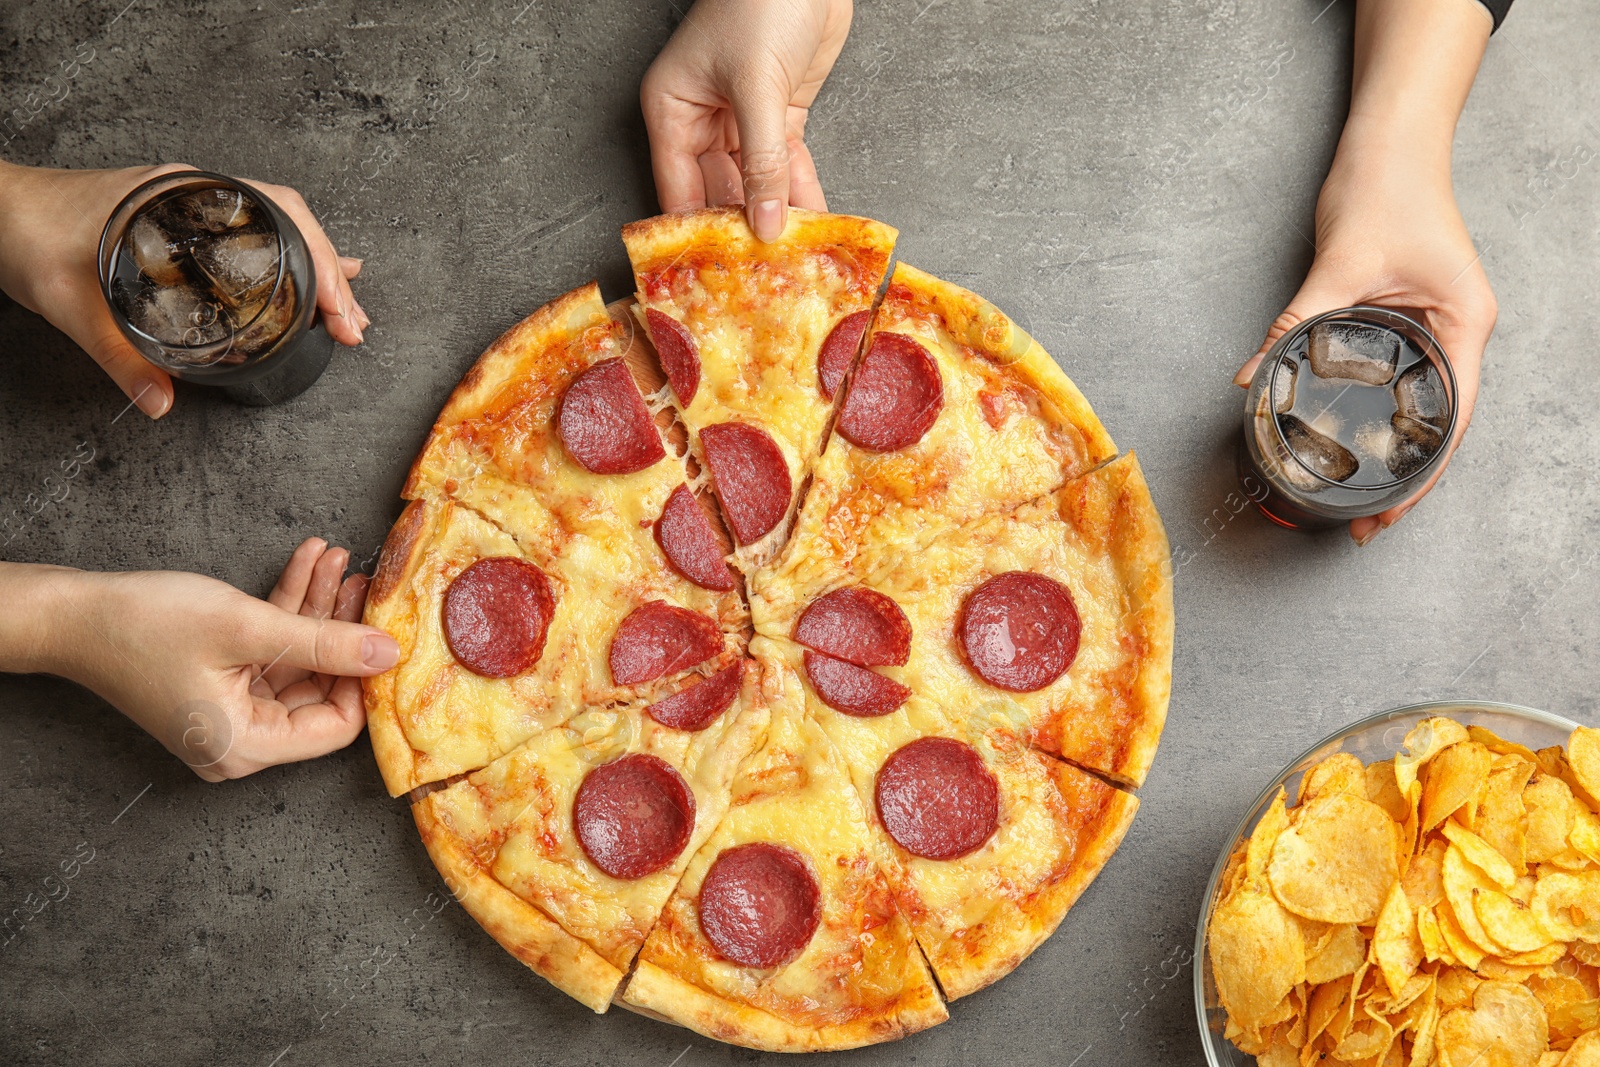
{"points": [[228, 683], [50, 225], [726, 102], [1389, 236]]}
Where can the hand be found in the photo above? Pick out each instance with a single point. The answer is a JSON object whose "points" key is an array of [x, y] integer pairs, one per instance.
{"points": [[50, 224], [726, 101], [1388, 233], [228, 683]]}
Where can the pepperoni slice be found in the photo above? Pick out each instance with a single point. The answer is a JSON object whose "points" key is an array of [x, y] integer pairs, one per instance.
{"points": [[680, 356], [690, 544], [853, 690], [496, 614], [839, 351], [694, 707], [856, 624], [658, 639], [1020, 630], [759, 904], [894, 397], [604, 423], [633, 816], [937, 799], [752, 478]]}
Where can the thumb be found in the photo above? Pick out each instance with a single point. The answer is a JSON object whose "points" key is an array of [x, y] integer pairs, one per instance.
{"points": [[760, 108], [147, 386], [1323, 290], [323, 646]]}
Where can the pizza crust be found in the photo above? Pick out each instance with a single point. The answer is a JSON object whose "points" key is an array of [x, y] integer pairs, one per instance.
{"points": [[661, 995], [522, 929], [397, 760]]}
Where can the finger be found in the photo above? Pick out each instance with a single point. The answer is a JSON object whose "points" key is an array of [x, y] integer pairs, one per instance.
{"points": [[352, 598], [290, 591], [350, 266], [760, 109], [325, 582], [334, 298], [1323, 290], [147, 387], [675, 143], [719, 175], [805, 187], [271, 636], [306, 732]]}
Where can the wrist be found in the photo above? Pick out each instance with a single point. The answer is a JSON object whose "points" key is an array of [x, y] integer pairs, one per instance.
{"points": [[47, 612]]}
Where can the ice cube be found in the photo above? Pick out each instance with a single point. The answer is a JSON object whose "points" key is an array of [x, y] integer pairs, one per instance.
{"points": [[154, 252], [1283, 385], [1419, 395], [1413, 444], [179, 315], [242, 269], [1317, 451], [1374, 441], [1355, 351], [269, 325], [216, 210]]}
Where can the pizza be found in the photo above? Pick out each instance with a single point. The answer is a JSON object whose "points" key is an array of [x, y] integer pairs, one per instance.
{"points": [[781, 646]]}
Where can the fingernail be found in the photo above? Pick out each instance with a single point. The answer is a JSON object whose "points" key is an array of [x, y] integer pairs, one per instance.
{"points": [[1366, 539], [151, 399], [766, 218], [379, 651]]}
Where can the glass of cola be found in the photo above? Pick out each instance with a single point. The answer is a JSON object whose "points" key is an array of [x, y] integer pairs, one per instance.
{"points": [[211, 281], [1349, 414]]}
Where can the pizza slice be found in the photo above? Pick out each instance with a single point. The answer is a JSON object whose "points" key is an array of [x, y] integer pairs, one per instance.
{"points": [[783, 933], [953, 412], [502, 637], [989, 843], [1057, 614], [755, 339], [566, 848]]}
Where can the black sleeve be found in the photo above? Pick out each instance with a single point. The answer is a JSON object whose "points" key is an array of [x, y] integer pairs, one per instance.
{"points": [[1498, 9]]}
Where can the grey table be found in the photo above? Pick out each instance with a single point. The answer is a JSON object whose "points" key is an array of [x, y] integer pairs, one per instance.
{"points": [[1134, 183]]}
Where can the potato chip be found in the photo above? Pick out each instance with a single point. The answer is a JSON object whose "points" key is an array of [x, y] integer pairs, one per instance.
{"points": [[1365, 1040], [1339, 773], [1480, 853], [1499, 745], [1426, 740], [1456, 987], [1585, 953], [1432, 938], [1568, 906], [1337, 862], [1502, 818], [1324, 1006], [1550, 816], [1583, 757], [1404, 1005], [1422, 1041], [1461, 946], [1585, 1052], [1584, 836], [1396, 945], [1314, 935], [1454, 777], [1510, 922], [1259, 852], [1281, 1054], [1423, 882], [1256, 955], [1461, 878], [1339, 954], [1552, 761], [1505, 1027], [1410, 828], [1539, 957], [1384, 791]]}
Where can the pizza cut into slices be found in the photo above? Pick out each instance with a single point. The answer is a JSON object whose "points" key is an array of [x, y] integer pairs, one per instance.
{"points": [[783, 933], [1057, 614], [755, 339], [566, 848], [988, 843]]}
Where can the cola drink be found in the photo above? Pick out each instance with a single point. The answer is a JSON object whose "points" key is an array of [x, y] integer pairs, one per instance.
{"points": [[1348, 414], [209, 280]]}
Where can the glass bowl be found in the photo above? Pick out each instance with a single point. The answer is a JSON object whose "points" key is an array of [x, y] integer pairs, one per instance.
{"points": [[1376, 737]]}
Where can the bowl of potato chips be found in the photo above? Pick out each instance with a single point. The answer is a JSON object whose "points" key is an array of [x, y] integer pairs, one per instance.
{"points": [[1421, 888]]}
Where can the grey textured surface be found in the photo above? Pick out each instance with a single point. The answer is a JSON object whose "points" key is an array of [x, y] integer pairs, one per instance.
{"points": [[1131, 181]]}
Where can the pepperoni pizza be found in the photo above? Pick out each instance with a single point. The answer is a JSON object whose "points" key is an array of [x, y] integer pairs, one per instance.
{"points": [[780, 647]]}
